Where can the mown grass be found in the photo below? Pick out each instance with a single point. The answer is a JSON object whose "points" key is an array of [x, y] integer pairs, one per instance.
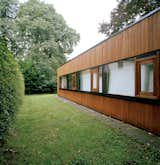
{"points": [[48, 131]]}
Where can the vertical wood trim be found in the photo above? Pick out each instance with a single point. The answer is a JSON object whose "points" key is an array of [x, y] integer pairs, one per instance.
{"points": [[91, 79], [155, 78], [136, 77], [158, 74], [74, 83], [95, 71]]}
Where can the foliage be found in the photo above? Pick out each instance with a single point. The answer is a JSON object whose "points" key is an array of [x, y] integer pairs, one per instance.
{"points": [[39, 38], [8, 11], [49, 131], [39, 75], [126, 13], [43, 38], [11, 89], [43, 31], [35, 26]]}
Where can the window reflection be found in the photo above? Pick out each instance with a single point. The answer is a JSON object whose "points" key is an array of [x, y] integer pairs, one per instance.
{"points": [[85, 81], [94, 80], [63, 82], [146, 77], [118, 78]]}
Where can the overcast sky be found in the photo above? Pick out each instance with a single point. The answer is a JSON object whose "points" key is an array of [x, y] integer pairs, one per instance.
{"points": [[84, 16]]}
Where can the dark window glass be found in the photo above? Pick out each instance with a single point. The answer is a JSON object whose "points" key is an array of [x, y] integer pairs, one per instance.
{"points": [[69, 81], [100, 79], [105, 77], [78, 80]]}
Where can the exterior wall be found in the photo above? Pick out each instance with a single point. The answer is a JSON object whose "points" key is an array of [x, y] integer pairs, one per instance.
{"points": [[140, 38], [143, 115]]}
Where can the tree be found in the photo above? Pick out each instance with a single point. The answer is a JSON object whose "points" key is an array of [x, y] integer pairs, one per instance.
{"points": [[39, 75], [40, 29], [38, 37], [43, 38], [8, 11], [126, 13]]}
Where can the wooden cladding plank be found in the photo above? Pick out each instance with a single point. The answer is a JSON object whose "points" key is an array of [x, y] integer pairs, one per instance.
{"points": [[138, 39], [156, 30], [142, 115], [155, 120]]}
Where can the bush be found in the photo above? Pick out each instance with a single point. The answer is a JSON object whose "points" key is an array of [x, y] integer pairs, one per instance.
{"points": [[11, 89], [39, 76]]}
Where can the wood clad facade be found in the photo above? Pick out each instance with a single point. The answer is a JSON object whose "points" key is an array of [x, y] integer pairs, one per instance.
{"points": [[138, 39], [145, 116]]}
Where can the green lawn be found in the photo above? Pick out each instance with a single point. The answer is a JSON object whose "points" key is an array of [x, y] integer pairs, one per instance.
{"points": [[48, 131]]}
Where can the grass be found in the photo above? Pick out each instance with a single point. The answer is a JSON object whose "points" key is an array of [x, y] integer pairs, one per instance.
{"points": [[48, 131]]}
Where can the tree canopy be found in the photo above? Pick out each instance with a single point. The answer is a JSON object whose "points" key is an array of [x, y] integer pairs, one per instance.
{"points": [[39, 38], [8, 11], [42, 30], [126, 13]]}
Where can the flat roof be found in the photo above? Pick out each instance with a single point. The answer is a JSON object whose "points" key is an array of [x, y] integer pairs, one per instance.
{"points": [[111, 36]]}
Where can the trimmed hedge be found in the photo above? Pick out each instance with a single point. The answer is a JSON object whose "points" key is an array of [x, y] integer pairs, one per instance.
{"points": [[11, 89]]}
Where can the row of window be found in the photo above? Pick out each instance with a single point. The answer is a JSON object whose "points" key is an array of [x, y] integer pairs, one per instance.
{"points": [[130, 77]]}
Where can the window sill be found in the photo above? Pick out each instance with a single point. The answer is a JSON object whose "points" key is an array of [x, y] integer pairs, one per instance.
{"points": [[147, 96]]}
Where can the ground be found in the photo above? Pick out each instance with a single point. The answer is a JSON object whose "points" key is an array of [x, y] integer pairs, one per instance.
{"points": [[52, 131]]}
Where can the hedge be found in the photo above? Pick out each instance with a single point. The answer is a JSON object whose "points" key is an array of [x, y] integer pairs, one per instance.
{"points": [[11, 89]]}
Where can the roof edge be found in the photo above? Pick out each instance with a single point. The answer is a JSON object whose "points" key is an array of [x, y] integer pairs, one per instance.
{"points": [[111, 36]]}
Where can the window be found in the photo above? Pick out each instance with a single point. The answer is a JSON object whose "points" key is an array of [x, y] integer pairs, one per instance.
{"points": [[118, 78], [94, 80], [147, 77], [63, 81], [105, 76], [69, 81], [130, 77], [85, 81], [74, 81], [78, 80]]}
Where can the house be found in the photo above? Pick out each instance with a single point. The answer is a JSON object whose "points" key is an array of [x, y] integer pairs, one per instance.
{"points": [[120, 76]]}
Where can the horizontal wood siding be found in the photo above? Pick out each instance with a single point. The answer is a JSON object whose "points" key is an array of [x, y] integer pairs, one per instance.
{"points": [[145, 116], [138, 39]]}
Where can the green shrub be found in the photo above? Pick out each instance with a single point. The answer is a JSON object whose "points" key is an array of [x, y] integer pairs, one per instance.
{"points": [[11, 89], [39, 76]]}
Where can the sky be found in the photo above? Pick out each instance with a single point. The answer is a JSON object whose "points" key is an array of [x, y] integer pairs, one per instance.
{"points": [[84, 16]]}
